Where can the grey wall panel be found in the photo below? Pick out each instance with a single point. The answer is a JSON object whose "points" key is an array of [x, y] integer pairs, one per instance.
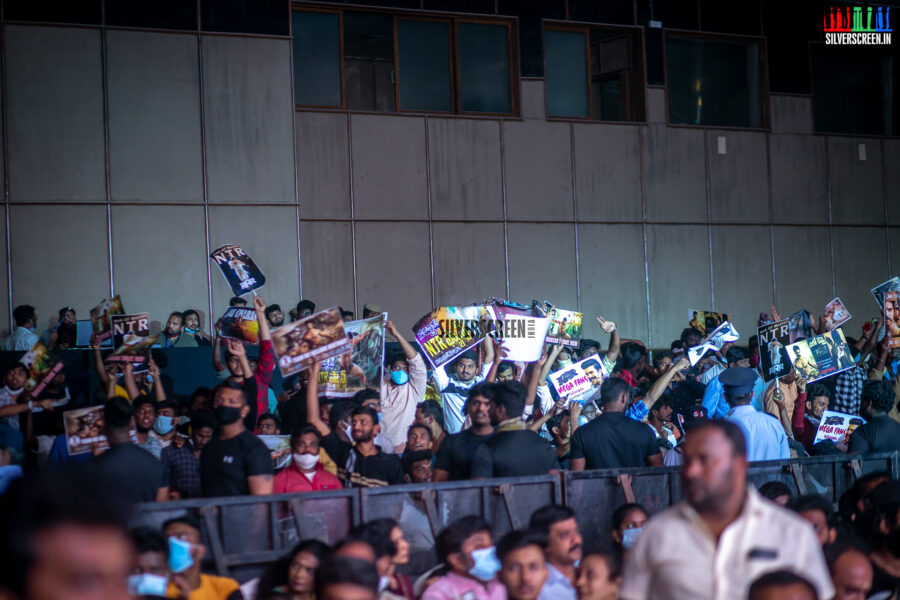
{"points": [[798, 179], [159, 261], [894, 238], [249, 138], [860, 263], [154, 117], [59, 258], [389, 167], [675, 174], [327, 265], [542, 264], [464, 157], [323, 165], [4, 274], [802, 269], [469, 263], [269, 235], [678, 257], [791, 114], [656, 105], [404, 292], [608, 172], [619, 296], [856, 186], [538, 161], [738, 179], [743, 285], [55, 110], [892, 180], [533, 99]]}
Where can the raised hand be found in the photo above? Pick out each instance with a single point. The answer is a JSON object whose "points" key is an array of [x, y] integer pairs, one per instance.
{"points": [[235, 347], [259, 304], [606, 326]]}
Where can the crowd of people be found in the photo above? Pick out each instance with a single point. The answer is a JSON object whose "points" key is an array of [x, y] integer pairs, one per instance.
{"points": [[479, 417]]}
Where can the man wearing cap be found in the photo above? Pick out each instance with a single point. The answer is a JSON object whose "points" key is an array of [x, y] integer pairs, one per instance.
{"points": [[371, 310], [766, 439], [714, 399]]}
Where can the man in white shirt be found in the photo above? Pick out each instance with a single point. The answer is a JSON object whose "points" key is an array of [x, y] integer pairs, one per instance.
{"points": [[766, 439], [23, 337], [723, 535], [454, 389]]}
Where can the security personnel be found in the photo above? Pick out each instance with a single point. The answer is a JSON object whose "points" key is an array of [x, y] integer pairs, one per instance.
{"points": [[766, 439]]}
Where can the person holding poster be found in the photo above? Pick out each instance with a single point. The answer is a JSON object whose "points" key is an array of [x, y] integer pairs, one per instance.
{"points": [[881, 433], [810, 406], [402, 388], [454, 387], [892, 318]]}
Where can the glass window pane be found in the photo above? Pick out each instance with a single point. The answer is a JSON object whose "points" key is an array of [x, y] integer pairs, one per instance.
{"points": [[566, 63], [713, 82], [369, 61], [484, 68], [617, 80], [317, 58], [423, 49]]}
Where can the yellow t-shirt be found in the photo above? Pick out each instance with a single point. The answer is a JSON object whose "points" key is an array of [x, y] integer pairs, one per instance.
{"points": [[212, 587]]}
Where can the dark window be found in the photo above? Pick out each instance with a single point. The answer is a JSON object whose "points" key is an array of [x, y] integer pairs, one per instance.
{"points": [[266, 17], [606, 11], [85, 12], [317, 58], [565, 57], [714, 82], [389, 3], [530, 13], [160, 14], [653, 44], [484, 70], [423, 61], [789, 26], [463, 6], [369, 61]]}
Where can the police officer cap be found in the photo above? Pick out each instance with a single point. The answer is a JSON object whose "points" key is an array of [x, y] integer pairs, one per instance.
{"points": [[738, 381]]}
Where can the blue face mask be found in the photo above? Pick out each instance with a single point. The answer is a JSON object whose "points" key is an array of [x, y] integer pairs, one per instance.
{"points": [[149, 378], [379, 418], [486, 564], [630, 536], [399, 377], [148, 584], [191, 331], [163, 424], [179, 555]]}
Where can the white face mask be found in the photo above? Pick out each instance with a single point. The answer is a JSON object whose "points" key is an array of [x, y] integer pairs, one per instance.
{"points": [[306, 461]]}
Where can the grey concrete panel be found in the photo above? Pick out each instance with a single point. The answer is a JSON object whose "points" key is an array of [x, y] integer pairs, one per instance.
{"points": [[656, 105], [742, 275], [860, 263], [393, 270], [327, 255], [802, 269], [538, 161], [892, 180], [469, 263], [738, 179], [798, 179], [60, 258], [542, 264], [675, 174], [323, 165], [249, 137], [389, 166], [678, 257], [608, 172], [618, 295], [464, 157], [154, 117], [533, 99], [269, 235], [894, 239], [55, 110], [791, 114], [856, 186]]}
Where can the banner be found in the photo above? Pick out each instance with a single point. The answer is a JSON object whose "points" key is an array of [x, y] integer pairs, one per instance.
{"points": [[279, 449], [520, 331], [448, 331], [363, 367], [84, 430], [799, 326], [238, 268], [565, 327], [891, 285], [705, 321], [42, 366], [580, 381], [316, 337], [773, 340], [892, 318], [836, 426], [821, 356], [240, 324], [132, 340], [722, 334], [836, 314], [100, 316]]}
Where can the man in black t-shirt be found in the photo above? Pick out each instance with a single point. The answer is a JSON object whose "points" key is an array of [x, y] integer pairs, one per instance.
{"points": [[454, 456], [613, 440], [235, 462], [514, 451]]}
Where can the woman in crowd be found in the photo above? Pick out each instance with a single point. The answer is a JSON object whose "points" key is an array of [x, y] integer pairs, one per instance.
{"points": [[293, 577]]}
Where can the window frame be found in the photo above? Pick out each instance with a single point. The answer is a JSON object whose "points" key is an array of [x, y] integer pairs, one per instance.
{"points": [[451, 55], [340, 15]]}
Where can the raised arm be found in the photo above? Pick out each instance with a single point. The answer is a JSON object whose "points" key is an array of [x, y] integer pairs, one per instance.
{"points": [[128, 379], [99, 367], [499, 355], [488, 349], [614, 342], [312, 401], [237, 348], [536, 379], [659, 387], [159, 391], [260, 306], [408, 350], [218, 365], [548, 364], [557, 408]]}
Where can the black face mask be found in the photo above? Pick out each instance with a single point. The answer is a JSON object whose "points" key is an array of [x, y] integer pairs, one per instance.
{"points": [[226, 415]]}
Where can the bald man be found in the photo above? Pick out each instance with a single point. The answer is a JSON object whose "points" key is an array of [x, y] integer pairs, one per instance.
{"points": [[851, 572]]}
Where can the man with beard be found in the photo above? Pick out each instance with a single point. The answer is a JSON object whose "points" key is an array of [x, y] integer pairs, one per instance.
{"points": [[144, 418], [881, 433], [723, 535], [402, 388], [563, 550], [454, 388], [192, 327], [274, 316], [454, 456], [173, 335], [810, 406], [183, 462]]}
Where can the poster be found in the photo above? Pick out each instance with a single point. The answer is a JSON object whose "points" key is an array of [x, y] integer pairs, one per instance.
{"points": [[132, 340], [836, 314], [836, 426], [42, 367], [891, 285], [84, 430], [279, 449], [520, 331], [773, 340], [448, 331], [821, 356], [316, 337], [565, 327], [892, 318], [238, 268], [799, 326], [240, 324], [581, 380], [363, 367], [705, 321], [100, 316], [722, 334]]}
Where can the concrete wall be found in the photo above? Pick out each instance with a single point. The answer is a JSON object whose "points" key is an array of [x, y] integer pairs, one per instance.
{"points": [[130, 154]]}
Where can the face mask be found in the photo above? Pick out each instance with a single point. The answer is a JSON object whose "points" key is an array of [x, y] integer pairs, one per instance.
{"points": [[383, 582], [149, 378], [379, 418], [582, 420], [191, 331], [306, 461], [399, 377], [226, 415], [486, 564], [163, 424], [630, 536], [179, 555], [564, 364], [148, 584]]}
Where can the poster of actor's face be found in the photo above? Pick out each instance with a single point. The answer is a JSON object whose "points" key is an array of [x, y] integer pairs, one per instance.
{"points": [[238, 268], [892, 318], [363, 367], [836, 314], [317, 337], [101, 313]]}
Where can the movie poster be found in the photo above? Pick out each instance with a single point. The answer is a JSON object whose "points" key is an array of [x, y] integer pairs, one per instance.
{"points": [[892, 318], [565, 327], [705, 321], [238, 268], [891, 285], [521, 332], [836, 314], [132, 340], [363, 367], [316, 337], [448, 331], [100, 316], [799, 326], [279, 449], [581, 380], [42, 367], [84, 430], [821, 356], [836, 426], [773, 340], [722, 334], [239, 323]]}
